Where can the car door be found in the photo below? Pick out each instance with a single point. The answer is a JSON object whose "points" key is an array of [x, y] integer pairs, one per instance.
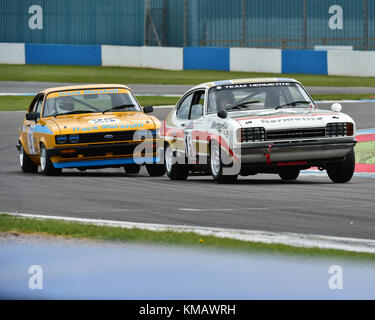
{"points": [[194, 131], [28, 129], [180, 121]]}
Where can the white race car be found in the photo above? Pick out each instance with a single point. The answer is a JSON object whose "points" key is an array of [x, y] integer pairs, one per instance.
{"points": [[249, 126]]}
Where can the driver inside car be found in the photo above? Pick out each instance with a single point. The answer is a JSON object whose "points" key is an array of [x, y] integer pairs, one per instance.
{"points": [[220, 100], [64, 105]]}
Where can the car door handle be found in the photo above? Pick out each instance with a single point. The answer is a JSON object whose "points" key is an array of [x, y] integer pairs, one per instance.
{"points": [[183, 124]]}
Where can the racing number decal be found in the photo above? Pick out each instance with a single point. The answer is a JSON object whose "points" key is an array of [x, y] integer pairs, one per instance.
{"points": [[189, 146], [30, 140]]}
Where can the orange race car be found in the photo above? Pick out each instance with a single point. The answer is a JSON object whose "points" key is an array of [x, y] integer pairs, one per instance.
{"points": [[88, 127]]}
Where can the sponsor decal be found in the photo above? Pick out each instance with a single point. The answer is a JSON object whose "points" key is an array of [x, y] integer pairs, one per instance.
{"points": [[252, 85], [86, 92], [291, 119], [108, 126], [292, 163], [104, 120], [219, 126]]}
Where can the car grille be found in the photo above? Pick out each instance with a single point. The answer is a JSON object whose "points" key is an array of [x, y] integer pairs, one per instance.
{"points": [[100, 137], [113, 149], [295, 133]]}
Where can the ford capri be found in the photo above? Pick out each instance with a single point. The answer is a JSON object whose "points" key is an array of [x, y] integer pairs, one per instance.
{"points": [[88, 127], [249, 126]]}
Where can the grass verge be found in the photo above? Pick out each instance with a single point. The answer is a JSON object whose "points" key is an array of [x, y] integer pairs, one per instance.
{"points": [[365, 152], [18, 103], [95, 74], [99, 233]]}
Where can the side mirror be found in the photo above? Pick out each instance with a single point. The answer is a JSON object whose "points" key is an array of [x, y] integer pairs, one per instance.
{"points": [[31, 116], [148, 109], [336, 107], [222, 113]]}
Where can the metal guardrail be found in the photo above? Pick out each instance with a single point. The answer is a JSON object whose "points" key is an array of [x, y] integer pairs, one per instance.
{"points": [[284, 43]]}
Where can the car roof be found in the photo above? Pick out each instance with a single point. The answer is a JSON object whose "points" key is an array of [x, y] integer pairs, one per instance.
{"points": [[84, 86], [242, 81]]}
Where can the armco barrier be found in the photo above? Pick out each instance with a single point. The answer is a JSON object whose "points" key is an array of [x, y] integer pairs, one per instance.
{"points": [[255, 60], [332, 62], [304, 61], [63, 54], [354, 63], [143, 57], [205, 58], [12, 53], [121, 56]]}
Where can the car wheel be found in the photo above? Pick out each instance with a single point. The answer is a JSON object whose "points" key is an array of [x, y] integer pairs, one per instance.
{"points": [[343, 171], [27, 165], [132, 168], [46, 164], [216, 166], [174, 170], [289, 174], [155, 170]]}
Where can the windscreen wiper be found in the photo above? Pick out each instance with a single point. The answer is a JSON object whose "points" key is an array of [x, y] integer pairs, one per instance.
{"points": [[74, 112], [293, 103], [242, 105], [123, 106]]}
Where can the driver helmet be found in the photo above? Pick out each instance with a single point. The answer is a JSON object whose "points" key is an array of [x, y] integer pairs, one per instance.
{"points": [[224, 98], [64, 104]]}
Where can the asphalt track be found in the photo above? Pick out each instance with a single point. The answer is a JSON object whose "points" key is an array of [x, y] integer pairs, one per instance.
{"points": [[312, 204], [34, 87]]}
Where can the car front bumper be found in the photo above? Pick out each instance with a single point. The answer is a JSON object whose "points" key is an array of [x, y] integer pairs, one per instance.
{"points": [[103, 155], [269, 152]]}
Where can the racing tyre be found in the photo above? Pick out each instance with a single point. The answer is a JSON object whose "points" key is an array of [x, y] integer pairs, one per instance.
{"points": [[155, 170], [289, 174], [216, 166], [46, 164], [25, 162], [343, 171], [132, 168], [174, 170]]}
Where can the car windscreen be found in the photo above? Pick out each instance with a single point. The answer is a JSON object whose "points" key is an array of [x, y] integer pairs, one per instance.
{"points": [[256, 96], [89, 101]]}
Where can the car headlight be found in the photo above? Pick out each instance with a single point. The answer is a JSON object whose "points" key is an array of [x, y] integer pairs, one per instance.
{"points": [[339, 129], [74, 138], [61, 139], [251, 134]]}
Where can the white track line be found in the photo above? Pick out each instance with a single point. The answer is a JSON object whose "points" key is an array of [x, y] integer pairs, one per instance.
{"points": [[286, 238]]}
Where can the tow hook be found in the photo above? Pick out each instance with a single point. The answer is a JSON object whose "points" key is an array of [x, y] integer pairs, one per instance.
{"points": [[267, 153]]}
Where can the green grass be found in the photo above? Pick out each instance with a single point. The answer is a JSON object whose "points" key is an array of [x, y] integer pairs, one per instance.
{"points": [[365, 152], [93, 74], [99, 233], [338, 97], [17, 103]]}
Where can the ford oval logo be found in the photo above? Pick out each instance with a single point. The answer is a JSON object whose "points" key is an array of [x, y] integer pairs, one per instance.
{"points": [[108, 136]]}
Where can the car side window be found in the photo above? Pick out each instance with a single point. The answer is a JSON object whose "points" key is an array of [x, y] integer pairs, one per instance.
{"points": [[38, 105], [33, 104], [197, 105], [184, 108]]}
